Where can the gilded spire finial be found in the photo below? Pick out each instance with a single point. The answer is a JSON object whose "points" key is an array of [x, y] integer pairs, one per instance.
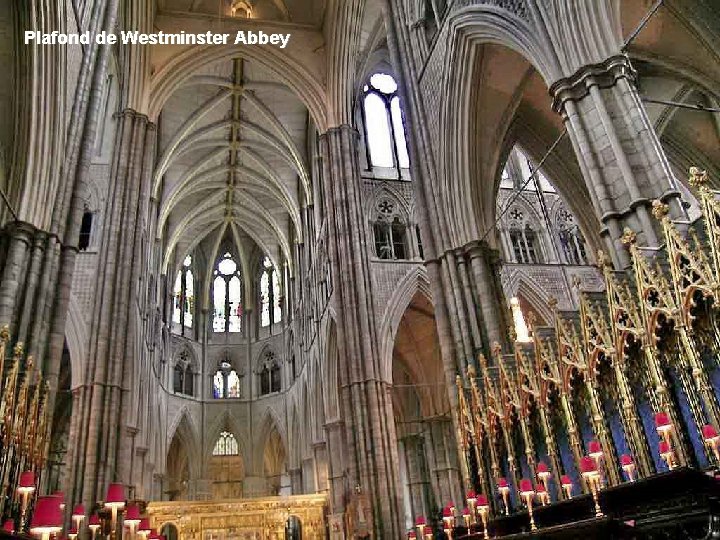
{"points": [[471, 373], [660, 209], [698, 177], [496, 348], [629, 237], [19, 349], [5, 333], [602, 259]]}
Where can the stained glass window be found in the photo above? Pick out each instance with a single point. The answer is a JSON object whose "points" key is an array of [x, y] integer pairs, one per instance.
{"points": [[227, 296], [183, 295], [270, 294]]}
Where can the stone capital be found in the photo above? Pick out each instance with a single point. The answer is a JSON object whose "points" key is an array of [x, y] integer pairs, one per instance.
{"points": [[603, 75]]}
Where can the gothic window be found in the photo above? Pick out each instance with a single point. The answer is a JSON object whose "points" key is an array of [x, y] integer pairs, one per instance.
{"points": [[531, 246], [183, 296], [269, 375], [398, 239], [571, 239], [516, 240], [383, 246], [389, 233], [189, 383], [183, 377], [384, 130], [270, 294], [573, 246], [226, 382], [419, 242], [226, 445], [178, 376], [227, 296], [219, 385], [525, 245], [233, 385], [85, 230]]}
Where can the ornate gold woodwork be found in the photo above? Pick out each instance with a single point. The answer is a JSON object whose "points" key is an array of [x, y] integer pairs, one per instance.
{"points": [[653, 331], [244, 519]]}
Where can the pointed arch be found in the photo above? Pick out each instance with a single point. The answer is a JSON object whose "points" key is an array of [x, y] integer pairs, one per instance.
{"points": [[183, 428], [412, 283], [270, 423], [330, 373], [225, 421]]}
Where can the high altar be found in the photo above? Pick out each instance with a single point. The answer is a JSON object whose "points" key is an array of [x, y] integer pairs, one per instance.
{"points": [[243, 519]]}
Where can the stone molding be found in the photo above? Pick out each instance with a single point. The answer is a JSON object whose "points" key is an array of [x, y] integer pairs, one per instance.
{"points": [[603, 75]]}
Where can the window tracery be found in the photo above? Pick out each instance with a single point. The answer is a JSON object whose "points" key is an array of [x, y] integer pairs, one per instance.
{"points": [[570, 237], [184, 296], [85, 230], [227, 383], [227, 296], [383, 122], [183, 376], [523, 238], [389, 232], [226, 445], [270, 294], [269, 374]]}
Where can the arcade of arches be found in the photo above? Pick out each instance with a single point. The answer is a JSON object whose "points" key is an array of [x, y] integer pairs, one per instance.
{"points": [[254, 272]]}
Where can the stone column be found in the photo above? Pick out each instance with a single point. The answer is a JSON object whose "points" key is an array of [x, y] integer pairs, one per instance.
{"points": [[321, 467], [308, 475], [334, 433], [417, 480], [444, 468], [490, 296], [102, 450], [296, 481], [365, 397], [619, 153]]}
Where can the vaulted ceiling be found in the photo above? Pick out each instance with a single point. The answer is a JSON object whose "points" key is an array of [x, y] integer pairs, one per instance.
{"points": [[309, 12], [232, 161]]}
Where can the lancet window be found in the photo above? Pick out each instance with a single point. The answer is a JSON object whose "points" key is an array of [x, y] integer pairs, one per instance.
{"points": [[227, 296], [270, 294], [384, 130], [184, 296]]}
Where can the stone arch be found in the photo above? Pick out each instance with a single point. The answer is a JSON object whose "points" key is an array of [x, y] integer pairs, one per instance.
{"points": [[225, 422], [329, 372], [269, 422], [563, 172], [412, 283], [470, 28], [521, 284], [402, 210], [182, 455]]}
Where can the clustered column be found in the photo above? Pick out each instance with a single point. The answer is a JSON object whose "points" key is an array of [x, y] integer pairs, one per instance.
{"points": [[365, 397], [619, 153], [103, 449]]}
